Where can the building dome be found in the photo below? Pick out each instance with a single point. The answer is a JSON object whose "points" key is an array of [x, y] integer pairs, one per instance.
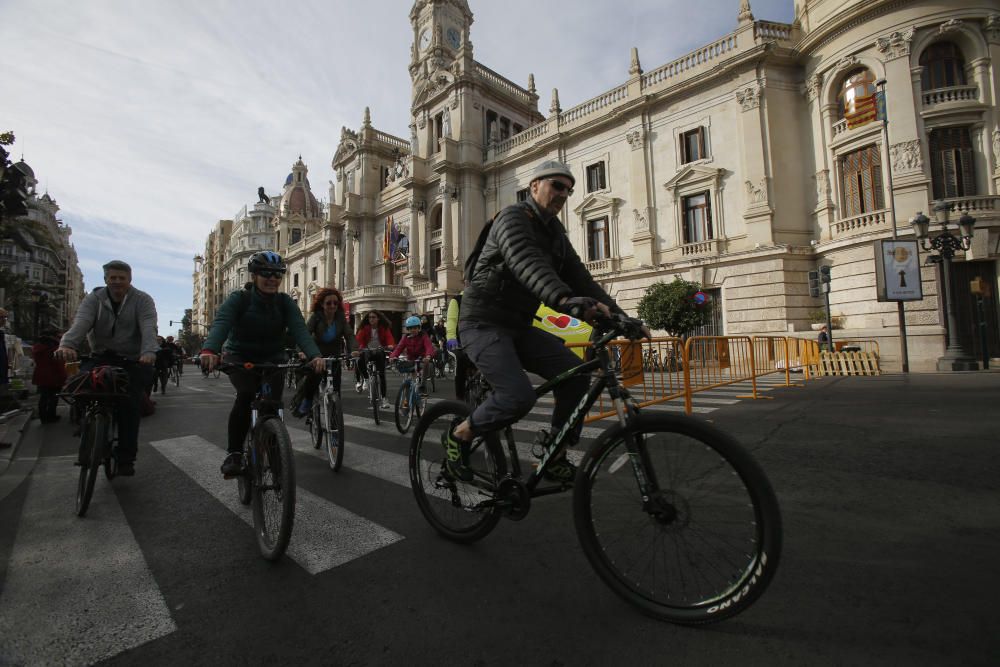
{"points": [[23, 167], [297, 197]]}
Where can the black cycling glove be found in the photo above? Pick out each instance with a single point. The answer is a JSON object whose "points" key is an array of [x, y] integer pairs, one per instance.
{"points": [[577, 306]]}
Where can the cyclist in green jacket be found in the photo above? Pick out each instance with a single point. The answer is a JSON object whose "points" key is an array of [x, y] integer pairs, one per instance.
{"points": [[250, 326]]}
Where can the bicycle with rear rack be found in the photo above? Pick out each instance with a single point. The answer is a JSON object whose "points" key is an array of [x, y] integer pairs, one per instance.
{"points": [[95, 395], [409, 401], [673, 514], [326, 417], [267, 482]]}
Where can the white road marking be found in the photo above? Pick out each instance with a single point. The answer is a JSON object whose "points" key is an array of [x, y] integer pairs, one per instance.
{"points": [[75, 586], [325, 535]]}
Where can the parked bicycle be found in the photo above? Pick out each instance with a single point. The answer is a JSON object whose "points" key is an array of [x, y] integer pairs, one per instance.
{"points": [[409, 401], [95, 395], [268, 479], [326, 418], [673, 514]]}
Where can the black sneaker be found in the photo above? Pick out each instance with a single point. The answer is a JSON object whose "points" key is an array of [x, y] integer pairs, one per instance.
{"points": [[233, 465], [126, 469], [560, 470]]}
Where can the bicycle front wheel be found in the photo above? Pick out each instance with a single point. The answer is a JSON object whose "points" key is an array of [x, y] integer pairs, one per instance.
{"points": [[376, 397], [316, 429], [95, 432], [705, 544], [404, 408], [274, 488], [460, 511], [334, 433]]}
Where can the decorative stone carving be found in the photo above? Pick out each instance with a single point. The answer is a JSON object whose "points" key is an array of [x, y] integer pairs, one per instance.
{"points": [[491, 193], [847, 62], [992, 27], [422, 119], [749, 96], [641, 224], [635, 138], [446, 123], [896, 45], [813, 85], [906, 156], [822, 184], [950, 26], [414, 141], [757, 194], [996, 146], [350, 180]]}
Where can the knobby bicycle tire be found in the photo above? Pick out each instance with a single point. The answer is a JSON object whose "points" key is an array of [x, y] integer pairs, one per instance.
{"points": [[705, 548], [460, 511], [334, 433], [94, 434], [274, 488], [316, 430], [376, 398], [404, 415]]}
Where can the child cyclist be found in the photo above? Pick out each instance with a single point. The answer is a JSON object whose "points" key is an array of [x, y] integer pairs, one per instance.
{"points": [[415, 344]]}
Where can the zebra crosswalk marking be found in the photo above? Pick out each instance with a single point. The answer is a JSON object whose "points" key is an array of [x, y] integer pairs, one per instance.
{"points": [[325, 535], [108, 600]]}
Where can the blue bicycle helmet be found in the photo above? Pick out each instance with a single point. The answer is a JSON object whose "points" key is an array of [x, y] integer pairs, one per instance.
{"points": [[411, 321], [266, 260]]}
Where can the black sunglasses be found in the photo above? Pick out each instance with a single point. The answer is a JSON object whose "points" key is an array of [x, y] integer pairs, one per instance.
{"points": [[270, 274], [560, 186]]}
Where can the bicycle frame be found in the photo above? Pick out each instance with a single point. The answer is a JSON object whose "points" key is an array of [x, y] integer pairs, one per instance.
{"points": [[625, 407]]}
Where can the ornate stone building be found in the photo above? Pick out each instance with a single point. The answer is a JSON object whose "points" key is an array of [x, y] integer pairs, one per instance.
{"points": [[42, 252], [733, 165]]}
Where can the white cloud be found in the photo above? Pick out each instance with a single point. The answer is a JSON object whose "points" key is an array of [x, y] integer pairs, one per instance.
{"points": [[151, 121]]}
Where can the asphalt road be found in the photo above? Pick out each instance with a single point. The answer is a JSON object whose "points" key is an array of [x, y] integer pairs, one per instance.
{"points": [[888, 492]]}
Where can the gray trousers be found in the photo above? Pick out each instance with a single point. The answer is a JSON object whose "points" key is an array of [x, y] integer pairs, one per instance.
{"points": [[503, 355]]}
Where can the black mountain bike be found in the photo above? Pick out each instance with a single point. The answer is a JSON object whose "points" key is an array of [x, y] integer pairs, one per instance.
{"points": [[673, 514], [326, 418], [98, 406], [268, 479]]}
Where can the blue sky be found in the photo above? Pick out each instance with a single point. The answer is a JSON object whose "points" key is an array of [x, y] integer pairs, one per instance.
{"points": [[150, 121]]}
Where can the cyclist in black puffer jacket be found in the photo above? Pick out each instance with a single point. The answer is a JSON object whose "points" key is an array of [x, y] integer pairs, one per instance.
{"points": [[527, 259]]}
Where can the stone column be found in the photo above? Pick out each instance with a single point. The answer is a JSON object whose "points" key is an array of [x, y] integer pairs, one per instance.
{"points": [[415, 237], [447, 261], [643, 238], [350, 230], [757, 211]]}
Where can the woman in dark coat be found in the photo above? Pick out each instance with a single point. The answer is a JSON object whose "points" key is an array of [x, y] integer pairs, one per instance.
{"points": [[327, 324], [49, 375]]}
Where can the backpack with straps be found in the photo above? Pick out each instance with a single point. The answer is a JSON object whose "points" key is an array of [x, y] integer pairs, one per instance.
{"points": [[473, 258]]}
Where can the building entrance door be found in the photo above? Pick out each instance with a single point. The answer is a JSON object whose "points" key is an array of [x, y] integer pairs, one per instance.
{"points": [[966, 306]]}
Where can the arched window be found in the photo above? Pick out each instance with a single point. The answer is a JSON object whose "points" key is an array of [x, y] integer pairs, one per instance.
{"points": [[858, 85], [943, 65], [436, 220]]}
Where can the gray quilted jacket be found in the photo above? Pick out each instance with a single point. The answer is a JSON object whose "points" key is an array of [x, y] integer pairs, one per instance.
{"points": [[129, 333]]}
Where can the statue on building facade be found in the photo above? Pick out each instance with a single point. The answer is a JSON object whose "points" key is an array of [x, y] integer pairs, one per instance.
{"points": [[261, 197]]}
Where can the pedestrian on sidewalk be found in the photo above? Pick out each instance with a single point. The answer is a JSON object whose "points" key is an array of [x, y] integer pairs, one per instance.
{"points": [[49, 375]]}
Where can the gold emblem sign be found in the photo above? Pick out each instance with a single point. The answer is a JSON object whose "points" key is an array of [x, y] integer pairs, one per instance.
{"points": [[901, 254]]}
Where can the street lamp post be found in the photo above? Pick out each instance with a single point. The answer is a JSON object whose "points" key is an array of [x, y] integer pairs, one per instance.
{"points": [[947, 244]]}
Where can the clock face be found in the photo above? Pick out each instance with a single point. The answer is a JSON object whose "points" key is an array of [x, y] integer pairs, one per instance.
{"points": [[454, 38], [424, 40]]}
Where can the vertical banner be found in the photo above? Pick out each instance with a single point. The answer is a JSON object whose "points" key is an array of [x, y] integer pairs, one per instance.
{"points": [[897, 270]]}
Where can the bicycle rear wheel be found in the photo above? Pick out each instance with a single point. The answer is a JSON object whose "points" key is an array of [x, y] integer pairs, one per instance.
{"points": [[92, 446], [274, 488], [177, 377], [704, 546], [334, 433], [404, 405], [460, 511]]}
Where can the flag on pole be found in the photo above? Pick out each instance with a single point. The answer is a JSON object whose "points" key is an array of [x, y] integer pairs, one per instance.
{"points": [[880, 105], [385, 240], [865, 111]]}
